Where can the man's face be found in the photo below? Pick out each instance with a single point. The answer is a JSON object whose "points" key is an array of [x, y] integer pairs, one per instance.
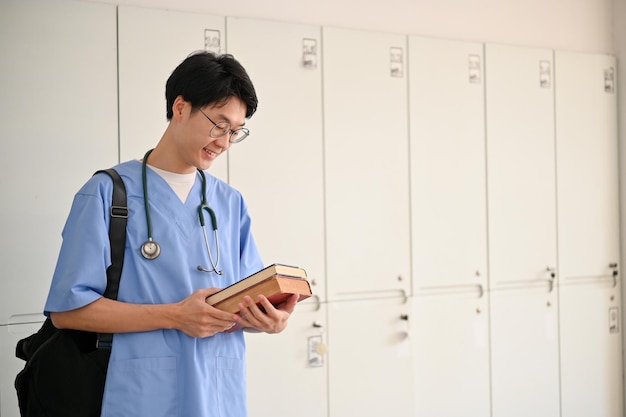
{"points": [[202, 136]]}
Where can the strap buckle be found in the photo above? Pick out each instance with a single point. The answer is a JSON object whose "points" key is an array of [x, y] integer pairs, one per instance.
{"points": [[104, 341], [119, 212], [103, 345]]}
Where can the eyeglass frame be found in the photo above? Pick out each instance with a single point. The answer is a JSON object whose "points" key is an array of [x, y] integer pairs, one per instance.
{"points": [[245, 131]]}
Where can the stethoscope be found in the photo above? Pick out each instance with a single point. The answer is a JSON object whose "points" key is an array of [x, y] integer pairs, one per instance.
{"points": [[151, 249]]}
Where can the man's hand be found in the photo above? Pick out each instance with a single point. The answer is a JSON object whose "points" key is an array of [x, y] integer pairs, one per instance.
{"points": [[196, 318], [270, 319]]}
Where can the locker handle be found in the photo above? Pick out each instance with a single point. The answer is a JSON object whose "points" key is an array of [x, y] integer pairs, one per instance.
{"points": [[455, 289], [402, 292], [594, 278], [521, 283], [318, 302], [552, 271], [615, 273], [614, 276]]}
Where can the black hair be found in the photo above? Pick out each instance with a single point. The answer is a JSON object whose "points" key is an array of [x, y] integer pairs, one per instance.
{"points": [[206, 78]]}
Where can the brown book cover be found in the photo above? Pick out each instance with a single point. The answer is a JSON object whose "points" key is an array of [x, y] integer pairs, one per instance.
{"points": [[276, 288], [277, 282]]}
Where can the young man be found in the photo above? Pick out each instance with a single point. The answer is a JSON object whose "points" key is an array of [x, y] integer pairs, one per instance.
{"points": [[173, 354]]}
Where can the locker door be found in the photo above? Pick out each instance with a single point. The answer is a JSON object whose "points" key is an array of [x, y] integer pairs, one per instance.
{"points": [[59, 126], [521, 167], [587, 157], [369, 353], [151, 44], [448, 191], [522, 231], [289, 371], [449, 228], [524, 354], [279, 170], [366, 161], [591, 350], [588, 220], [450, 355]]}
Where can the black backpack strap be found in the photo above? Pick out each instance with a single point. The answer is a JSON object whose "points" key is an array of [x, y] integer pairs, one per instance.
{"points": [[117, 236]]}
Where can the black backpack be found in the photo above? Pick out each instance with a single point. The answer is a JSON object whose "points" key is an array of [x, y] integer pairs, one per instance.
{"points": [[66, 369]]}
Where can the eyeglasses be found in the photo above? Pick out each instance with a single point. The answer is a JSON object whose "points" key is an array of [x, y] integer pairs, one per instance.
{"points": [[221, 128]]}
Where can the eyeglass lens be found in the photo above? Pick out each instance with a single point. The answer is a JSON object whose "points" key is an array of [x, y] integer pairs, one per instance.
{"points": [[222, 128]]}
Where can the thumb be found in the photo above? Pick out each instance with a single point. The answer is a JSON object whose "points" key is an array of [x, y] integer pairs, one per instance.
{"points": [[205, 292]]}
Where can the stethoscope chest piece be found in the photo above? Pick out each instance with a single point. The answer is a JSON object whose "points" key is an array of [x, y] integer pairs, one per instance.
{"points": [[150, 249]]}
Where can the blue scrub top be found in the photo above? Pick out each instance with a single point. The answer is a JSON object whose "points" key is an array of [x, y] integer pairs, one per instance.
{"points": [[164, 372]]}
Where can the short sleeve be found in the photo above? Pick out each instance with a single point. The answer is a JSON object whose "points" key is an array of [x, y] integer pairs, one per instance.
{"points": [[80, 274]]}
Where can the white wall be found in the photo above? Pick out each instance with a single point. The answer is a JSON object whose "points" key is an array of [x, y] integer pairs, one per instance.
{"points": [[577, 25]]}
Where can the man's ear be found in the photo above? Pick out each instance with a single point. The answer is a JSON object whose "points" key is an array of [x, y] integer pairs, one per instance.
{"points": [[178, 108]]}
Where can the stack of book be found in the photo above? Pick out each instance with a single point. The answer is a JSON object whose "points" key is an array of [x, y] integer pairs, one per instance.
{"points": [[277, 282]]}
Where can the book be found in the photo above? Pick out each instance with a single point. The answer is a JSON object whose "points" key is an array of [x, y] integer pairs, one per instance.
{"points": [[277, 282]]}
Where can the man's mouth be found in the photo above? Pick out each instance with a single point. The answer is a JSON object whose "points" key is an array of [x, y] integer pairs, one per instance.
{"points": [[210, 152]]}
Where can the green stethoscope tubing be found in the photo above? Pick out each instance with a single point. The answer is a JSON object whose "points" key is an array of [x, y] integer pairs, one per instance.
{"points": [[151, 249]]}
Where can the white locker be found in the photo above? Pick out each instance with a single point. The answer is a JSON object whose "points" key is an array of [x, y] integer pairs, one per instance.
{"points": [[587, 163], [449, 228], [369, 353], [524, 354], [591, 350], [588, 230], [289, 371], [450, 348], [448, 186], [522, 231], [151, 44], [279, 170], [59, 126], [366, 164], [521, 165]]}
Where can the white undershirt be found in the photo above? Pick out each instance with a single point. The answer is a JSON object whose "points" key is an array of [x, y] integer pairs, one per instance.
{"points": [[180, 183]]}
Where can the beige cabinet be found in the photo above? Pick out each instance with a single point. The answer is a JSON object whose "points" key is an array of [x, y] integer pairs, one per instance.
{"points": [[370, 371], [449, 228], [366, 164], [588, 232], [521, 189], [279, 170], [59, 125], [152, 43]]}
